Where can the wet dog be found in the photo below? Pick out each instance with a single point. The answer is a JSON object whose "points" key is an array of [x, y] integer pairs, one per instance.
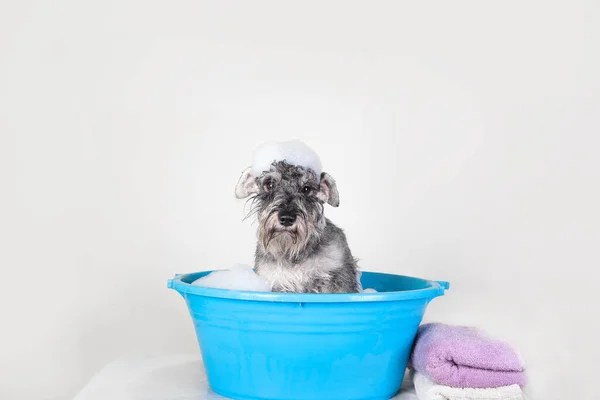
{"points": [[298, 249]]}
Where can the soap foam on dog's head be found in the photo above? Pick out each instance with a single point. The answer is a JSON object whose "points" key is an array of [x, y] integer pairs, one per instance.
{"points": [[294, 152]]}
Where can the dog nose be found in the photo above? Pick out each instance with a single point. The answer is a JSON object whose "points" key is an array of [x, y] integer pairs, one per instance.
{"points": [[287, 219]]}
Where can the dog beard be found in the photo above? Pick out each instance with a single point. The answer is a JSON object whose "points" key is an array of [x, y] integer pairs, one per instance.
{"points": [[283, 241]]}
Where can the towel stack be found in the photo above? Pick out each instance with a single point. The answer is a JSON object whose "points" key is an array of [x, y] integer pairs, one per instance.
{"points": [[462, 363]]}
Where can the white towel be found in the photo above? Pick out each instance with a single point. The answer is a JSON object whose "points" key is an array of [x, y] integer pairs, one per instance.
{"points": [[427, 390]]}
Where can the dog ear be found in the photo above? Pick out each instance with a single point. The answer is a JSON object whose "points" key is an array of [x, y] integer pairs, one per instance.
{"points": [[328, 190], [246, 184]]}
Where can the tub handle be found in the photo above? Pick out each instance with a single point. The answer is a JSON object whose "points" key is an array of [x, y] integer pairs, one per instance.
{"points": [[444, 284], [171, 284]]}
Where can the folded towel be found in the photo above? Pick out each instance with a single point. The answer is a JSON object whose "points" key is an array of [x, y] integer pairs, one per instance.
{"points": [[460, 356], [427, 390]]}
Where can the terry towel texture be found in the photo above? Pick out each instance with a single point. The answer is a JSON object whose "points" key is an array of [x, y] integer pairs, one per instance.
{"points": [[464, 357], [427, 390]]}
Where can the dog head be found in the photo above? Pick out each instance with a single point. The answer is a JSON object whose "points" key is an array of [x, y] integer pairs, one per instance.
{"points": [[289, 202]]}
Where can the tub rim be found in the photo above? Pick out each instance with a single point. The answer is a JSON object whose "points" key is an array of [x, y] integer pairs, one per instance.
{"points": [[433, 289]]}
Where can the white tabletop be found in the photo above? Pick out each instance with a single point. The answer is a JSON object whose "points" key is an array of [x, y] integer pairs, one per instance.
{"points": [[176, 377]]}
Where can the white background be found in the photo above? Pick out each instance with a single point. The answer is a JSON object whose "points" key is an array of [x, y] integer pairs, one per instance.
{"points": [[463, 137]]}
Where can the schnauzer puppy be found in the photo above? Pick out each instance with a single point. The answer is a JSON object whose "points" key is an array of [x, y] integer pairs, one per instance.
{"points": [[298, 249]]}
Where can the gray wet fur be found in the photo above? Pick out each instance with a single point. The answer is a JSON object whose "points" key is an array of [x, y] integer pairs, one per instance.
{"points": [[312, 254]]}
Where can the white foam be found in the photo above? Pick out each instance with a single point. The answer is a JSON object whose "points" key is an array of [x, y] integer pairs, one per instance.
{"points": [[294, 152], [240, 277], [369, 290]]}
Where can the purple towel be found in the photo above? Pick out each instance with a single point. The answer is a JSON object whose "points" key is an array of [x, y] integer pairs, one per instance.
{"points": [[465, 357]]}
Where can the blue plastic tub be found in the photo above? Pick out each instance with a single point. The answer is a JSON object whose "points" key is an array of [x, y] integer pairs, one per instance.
{"points": [[288, 346]]}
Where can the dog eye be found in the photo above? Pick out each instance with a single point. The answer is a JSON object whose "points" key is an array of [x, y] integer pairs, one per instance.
{"points": [[269, 186], [306, 189]]}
